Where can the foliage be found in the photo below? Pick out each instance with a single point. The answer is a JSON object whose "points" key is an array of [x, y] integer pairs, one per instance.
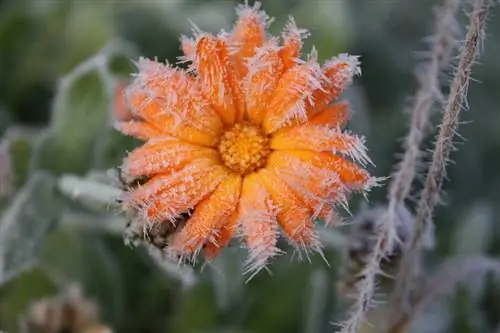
{"points": [[60, 63]]}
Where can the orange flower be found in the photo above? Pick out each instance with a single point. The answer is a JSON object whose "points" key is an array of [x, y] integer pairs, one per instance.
{"points": [[245, 139]]}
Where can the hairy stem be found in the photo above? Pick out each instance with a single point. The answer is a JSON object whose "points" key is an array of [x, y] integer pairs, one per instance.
{"points": [[428, 92], [448, 128], [404, 175]]}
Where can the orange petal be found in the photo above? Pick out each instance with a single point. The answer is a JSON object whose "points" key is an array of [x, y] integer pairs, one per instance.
{"points": [[162, 182], [318, 188], [248, 34], [258, 223], [214, 68], [238, 93], [333, 116], [166, 195], [171, 99], [209, 216], [177, 125], [320, 138], [266, 68], [138, 129], [337, 75], [292, 43], [292, 92], [163, 155], [181, 198], [222, 238], [350, 174], [294, 217]]}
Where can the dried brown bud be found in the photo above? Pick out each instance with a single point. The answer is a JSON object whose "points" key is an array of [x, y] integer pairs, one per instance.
{"points": [[156, 234], [67, 312], [362, 239]]}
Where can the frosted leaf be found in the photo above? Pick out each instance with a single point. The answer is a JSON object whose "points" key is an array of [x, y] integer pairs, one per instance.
{"points": [[25, 225], [93, 194], [19, 143], [81, 115]]}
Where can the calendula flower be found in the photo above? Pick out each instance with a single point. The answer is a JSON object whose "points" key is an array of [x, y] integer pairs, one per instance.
{"points": [[245, 139]]}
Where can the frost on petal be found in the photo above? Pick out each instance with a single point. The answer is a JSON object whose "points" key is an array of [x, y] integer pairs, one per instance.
{"points": [[160, 183], [209, 216], [292, 43], [334, 116], [165, 197], [139, 129], [163, 155], [293, 91], [249, 33], [319, 188], [294, 217], [257, 220], [351, 175], [265, 70], [214, 67], [170, 99], [338, 73], [321, 138], [222, 237], [187, 48]]}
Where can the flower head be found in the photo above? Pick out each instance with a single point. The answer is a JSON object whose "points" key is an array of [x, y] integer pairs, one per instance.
{"points": [[246, 139]]}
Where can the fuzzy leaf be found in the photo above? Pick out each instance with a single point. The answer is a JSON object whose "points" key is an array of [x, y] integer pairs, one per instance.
{"points": [[79, 119], [25, 225], [92, 194]]}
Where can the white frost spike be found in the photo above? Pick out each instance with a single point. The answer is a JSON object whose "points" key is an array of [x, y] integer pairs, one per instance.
{"points": [[292, 31], [244, 10], [343, 77], [303, 251], [261, 248], [298, 111], [357, 151], [258, 227], [257, 63]]}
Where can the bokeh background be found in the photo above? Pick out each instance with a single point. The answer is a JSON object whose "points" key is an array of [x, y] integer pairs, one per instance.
{"points": [[60, 64]]}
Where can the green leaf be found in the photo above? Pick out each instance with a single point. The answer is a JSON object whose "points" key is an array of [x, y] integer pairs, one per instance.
{"points": [[21, 142], [80, 117], [26, 224]]}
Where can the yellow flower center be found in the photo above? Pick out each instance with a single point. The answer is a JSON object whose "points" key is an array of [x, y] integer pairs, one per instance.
{"points": [[244, 148]]}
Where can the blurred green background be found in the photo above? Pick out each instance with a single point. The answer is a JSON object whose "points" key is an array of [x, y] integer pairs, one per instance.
{"points": [[60, 61]]}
